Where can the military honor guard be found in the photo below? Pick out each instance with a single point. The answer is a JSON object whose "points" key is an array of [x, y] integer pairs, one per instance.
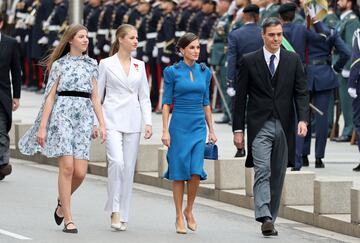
{"points": [[354, 86], [103, 41], [270, 10], [346, 27], [91, 18]]}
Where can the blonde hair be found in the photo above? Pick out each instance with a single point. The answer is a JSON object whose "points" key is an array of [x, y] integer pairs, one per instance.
{"points": [[121, 32], [64, 47]]}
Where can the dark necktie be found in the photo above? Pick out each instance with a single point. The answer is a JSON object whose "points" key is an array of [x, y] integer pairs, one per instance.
{"points": [[272, 65]]}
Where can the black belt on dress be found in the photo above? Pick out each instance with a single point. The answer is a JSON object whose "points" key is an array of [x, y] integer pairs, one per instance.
{"points": [[74, 93]]}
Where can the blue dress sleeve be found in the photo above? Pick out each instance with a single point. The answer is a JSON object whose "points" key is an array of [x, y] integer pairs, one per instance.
{"points": [[206, 100], [168, 86]]}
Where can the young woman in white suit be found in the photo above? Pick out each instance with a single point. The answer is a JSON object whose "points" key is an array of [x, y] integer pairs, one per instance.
{"points": [[124, 89]]}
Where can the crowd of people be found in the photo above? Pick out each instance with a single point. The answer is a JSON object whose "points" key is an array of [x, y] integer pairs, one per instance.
{"points": [[267, 63]]}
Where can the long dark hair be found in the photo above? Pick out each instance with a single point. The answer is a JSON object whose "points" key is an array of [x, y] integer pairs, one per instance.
{"points": [[121, 32]]}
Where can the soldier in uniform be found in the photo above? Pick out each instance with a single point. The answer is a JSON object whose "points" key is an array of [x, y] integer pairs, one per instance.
{"points": [[206, 27], [182, 17], [150, 55], [21, 34], [346, 27], [140, 23], [218, 54], [241, 41], [103, 41], [56, 22], [165, 41], [195, 20], [321, 78], [91, 18], [39, 40], [131, 8], [354, 86], [271, 10]]}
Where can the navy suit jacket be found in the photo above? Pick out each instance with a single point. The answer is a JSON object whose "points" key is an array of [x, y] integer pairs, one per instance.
{"points": [[241, 41]]}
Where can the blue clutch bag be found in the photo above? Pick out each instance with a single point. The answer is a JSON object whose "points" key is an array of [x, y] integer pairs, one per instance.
{"points": [[211, 151]]}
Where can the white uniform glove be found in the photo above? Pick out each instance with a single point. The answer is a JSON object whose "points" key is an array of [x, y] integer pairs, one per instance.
{"points": [[231, 91], [311, 11], [26, 39], [165, 59], [18, 39], [56, 43], [345, 73], [43, 40], [30, 20], [352, 92], [233, 8], [155, 52], [96, 50], [106, 48], [145, 58]]}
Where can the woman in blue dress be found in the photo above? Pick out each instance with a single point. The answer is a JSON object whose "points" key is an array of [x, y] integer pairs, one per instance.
{"points": [[186, 86], [64, 125]]}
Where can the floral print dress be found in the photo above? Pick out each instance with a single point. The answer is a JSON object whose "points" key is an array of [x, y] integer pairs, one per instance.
{"points": [[70, 123]]}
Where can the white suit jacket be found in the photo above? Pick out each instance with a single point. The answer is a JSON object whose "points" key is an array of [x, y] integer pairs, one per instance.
{"points": [[125, 99]]}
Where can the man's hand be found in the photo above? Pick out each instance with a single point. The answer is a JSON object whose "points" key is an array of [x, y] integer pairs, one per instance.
{"points": [[239, 140], [231, 91], [16, 104], [302, 129]]}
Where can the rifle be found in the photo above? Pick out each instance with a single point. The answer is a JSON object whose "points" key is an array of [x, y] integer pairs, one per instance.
{"points": [[335, 128]]}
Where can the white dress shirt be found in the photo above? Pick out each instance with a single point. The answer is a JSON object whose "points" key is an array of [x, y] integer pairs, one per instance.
{"points": [[267, 56]]}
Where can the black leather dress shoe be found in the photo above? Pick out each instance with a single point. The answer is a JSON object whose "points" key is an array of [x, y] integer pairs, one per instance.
{"points": [[223, 120], [357, 168], [240, 153], [305, 161], [267, 227], [319, 163], [5, 170], [342, 139]]}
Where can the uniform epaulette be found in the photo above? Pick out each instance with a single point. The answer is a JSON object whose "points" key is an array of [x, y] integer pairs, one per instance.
{"points": [[353, 16], [202, 66]]}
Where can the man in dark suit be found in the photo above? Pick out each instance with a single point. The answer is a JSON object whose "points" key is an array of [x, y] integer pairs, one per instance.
{"points": [[10, 61], [271, 84]]}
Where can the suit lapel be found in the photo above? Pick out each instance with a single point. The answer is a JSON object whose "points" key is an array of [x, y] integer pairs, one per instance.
{"points": [[2, 44], [281, 70], [117, 70], [263, 69]]}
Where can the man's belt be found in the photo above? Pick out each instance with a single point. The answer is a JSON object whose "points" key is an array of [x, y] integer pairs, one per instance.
{"points": [[320, 62], [151, 35], [54, 27], [92, 34]]}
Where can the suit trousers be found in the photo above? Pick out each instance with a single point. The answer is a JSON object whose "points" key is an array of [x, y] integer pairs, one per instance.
{"points": [[4, 138], [270, 153], [121, 152]]}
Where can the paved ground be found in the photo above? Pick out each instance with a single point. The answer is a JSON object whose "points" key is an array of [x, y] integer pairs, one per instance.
{"points": [[28, 199]]}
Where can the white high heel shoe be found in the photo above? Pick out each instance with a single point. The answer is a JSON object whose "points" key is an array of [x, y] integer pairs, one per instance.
{"points": [[116, 225]]}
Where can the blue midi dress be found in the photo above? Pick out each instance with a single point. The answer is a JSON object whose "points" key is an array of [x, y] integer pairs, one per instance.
{"points": [[187, 126]]}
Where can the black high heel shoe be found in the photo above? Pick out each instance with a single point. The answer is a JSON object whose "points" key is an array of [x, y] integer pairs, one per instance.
{"points": [[58, 219]]}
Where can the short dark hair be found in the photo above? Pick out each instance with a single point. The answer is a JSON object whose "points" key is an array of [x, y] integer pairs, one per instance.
{"points": [[271, 21], [185, 40], [288, 16]]}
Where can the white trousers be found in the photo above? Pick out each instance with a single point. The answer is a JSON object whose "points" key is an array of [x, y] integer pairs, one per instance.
{"points": [[121, 152]]}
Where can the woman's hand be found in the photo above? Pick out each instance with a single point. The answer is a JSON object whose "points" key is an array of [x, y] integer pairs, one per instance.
{"points": [[102, 134], [41, 135], [211, 137], [95, 132], [166, 139], [148, 131]]}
